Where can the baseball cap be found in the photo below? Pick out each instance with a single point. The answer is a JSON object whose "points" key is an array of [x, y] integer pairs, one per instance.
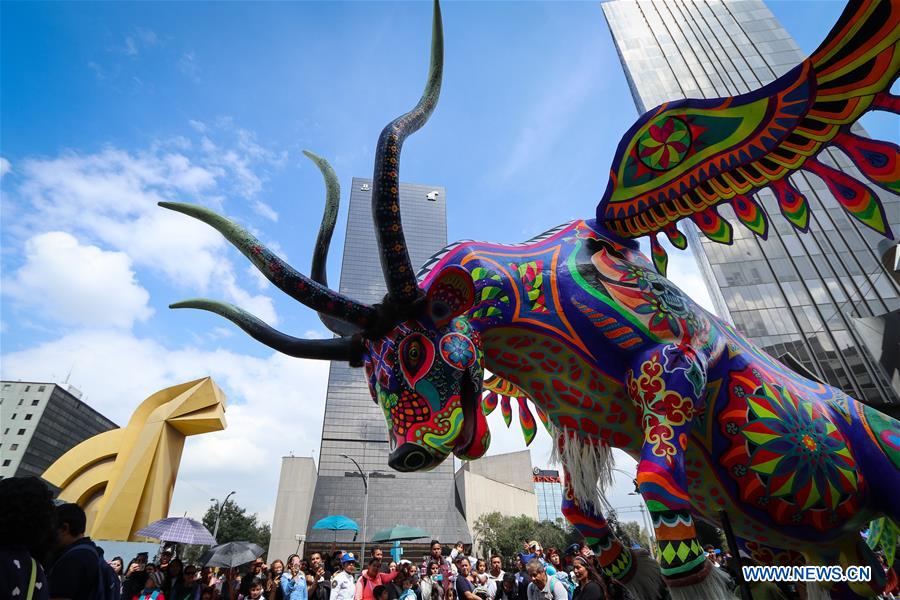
{"points": [[348, 557]]}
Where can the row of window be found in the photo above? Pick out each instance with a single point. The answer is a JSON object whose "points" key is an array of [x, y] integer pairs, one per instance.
{"points": [[41, 388], [6, 431], [34, 402]]}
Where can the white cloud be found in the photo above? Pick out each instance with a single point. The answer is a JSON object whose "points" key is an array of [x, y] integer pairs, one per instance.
{"points": [[110, 198], [75, 284], [5, 166], [275, 405]]}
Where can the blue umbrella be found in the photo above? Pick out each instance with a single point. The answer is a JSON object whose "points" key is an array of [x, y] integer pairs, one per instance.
{"points": [[336, 523]]}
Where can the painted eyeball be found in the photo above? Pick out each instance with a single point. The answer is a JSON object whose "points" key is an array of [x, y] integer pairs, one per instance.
{"points": [[458, 351], [416, 355]]}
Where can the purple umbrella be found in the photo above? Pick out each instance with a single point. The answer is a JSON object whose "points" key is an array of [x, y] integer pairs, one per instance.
{"points": [[178, 529]]}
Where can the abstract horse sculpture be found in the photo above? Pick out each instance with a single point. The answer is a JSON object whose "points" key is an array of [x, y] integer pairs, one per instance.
{"points": [[611, 353]]}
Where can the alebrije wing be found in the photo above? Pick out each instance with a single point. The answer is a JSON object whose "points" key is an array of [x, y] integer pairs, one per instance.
{"points": [[682, 159]]}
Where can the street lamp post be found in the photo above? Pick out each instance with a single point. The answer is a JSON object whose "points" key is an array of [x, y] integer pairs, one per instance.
{"points": [[644, 516], [219, 514], [365, 479]]}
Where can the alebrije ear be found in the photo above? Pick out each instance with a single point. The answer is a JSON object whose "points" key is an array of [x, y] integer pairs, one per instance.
{"points": [[450, 294]]}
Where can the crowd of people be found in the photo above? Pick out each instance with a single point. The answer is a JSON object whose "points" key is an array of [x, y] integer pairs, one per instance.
{"points": [[45, 554]]}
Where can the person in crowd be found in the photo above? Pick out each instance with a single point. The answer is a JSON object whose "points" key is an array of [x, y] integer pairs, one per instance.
{"points": [[431, 586], [463, 584], [171, 577], [590, 584], [118, 567], [392, 567], [435, 556], [188, 587], [380, 593], [74, 574], [26, 532], [273, 583], [255, 574], [406, 585], [318, 578], [343, 587], [207, 593], [482, 584], [370, 578], [495, 573], [377, 552], [150, 589], [318, 567], [543, 587], [293, 582], [256, 590], [230, 585], [133, 581], [458, 549], [508, 589], [522, 577]]}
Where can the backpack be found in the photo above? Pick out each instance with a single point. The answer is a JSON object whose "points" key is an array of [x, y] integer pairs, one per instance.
{"points": [[108, 585]]}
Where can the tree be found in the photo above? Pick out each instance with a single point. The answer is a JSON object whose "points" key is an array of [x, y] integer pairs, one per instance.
{"points": [[505, 535], [632, 533], [235, 525]]}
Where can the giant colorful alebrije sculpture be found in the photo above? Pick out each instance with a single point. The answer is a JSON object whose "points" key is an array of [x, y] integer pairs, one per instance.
{"points": [[611, 353], [124, 478]]}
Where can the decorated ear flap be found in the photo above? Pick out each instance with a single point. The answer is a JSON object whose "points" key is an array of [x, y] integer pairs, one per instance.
{"points": [[450, 295]]}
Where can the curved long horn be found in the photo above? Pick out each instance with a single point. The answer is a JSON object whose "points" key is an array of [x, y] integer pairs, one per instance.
{"points": [[346, 349], [395, 263], [323, 240], [285, 277]]}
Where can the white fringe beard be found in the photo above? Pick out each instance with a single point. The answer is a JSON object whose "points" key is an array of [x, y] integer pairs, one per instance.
{"points": [[587, 465]]}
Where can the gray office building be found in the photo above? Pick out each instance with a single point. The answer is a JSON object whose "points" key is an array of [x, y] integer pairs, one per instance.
{"points": [[798, 294], [41, 422], [354, 425]]}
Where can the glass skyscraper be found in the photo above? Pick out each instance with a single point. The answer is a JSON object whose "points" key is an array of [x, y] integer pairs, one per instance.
{"points": [[793, 293], [548, 489], [354, 425]]}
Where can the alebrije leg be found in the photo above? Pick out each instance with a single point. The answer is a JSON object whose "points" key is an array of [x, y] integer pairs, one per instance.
{"points": [[526, 421], [713, 226], [660, 258], [793, 204], [505, 409], [751, 215], [878, 161], [489, 403], [676, 238], [856, 198], [887, 102]]}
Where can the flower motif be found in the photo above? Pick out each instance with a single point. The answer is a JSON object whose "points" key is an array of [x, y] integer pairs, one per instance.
{"points": [[457, 350], [797, 451], [664, 144]]}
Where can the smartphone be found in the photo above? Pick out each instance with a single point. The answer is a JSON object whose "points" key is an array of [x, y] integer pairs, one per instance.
{"points": [[438, 577]]}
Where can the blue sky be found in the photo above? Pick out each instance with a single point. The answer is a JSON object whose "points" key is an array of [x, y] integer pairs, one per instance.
{"points": [[110, 107]]}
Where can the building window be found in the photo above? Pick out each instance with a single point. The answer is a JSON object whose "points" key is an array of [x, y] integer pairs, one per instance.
{"points": [[6, 462], [34, 402], [14, 447], [21, 432], [14, 415], [6, 431], [21, 400], [27, 388], [7, 385], [41, 388], [28, 417]]}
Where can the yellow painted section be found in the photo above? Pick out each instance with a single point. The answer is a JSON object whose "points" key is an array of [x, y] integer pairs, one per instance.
{"points": [[124, 478]]}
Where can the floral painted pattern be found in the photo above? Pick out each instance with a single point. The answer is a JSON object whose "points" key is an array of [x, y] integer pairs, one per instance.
{"points": [[457, 350], [665, 143], [787, 454]]}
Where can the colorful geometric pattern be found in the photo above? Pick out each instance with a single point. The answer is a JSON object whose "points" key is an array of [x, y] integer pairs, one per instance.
{"points": [[683, 158]]}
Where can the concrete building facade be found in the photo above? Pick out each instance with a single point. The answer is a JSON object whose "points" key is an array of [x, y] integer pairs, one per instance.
{"points": [[296, 487], [500, 483], [792, 293], [40, 422], [354, 425]]}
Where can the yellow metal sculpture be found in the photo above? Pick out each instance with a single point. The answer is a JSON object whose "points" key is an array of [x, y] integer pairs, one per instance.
{"points": [[124, 478]]}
